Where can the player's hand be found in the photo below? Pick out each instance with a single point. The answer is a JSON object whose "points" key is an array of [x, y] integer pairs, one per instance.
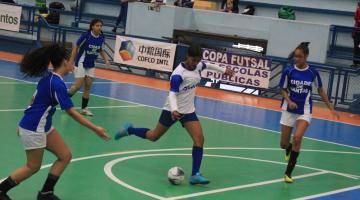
{"points": [[292, 105], [229, 72], [101, 132], [107, 63], [175, 115]]}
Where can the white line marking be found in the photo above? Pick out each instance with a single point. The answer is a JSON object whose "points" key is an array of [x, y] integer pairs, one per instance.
{"points": [[90, 107], [329, 193], [234, 123], [108, 171], [243, 186], [173, 149]]}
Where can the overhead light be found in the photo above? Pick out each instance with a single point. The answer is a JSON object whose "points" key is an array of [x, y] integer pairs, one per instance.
{"points": [[248, 47]]}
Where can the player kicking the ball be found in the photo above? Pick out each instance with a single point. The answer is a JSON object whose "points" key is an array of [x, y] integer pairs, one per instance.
{"points": [[180, 106]]}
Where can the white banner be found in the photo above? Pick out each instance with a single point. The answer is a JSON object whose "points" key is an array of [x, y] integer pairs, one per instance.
{"points": [[145, 53], [249, 70], [10, 17]]}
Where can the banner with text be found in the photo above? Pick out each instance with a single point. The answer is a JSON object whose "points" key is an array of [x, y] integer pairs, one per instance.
{"points": [[249, 70], [10, 17], [145, 53]]}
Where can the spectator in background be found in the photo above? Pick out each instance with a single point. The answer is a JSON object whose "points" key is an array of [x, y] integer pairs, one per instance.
{"points": [[123, 14], [231, 6], [184, 3], [356, 37], [8, 1]]}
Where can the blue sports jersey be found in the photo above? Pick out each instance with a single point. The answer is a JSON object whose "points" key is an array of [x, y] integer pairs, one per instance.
{"points": [[299, 83], [89, 49], [51, 90]]}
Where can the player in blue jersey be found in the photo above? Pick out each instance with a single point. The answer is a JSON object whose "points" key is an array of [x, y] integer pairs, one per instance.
{"points": [[36, 129], [180, 106], [296, 88], [84, 53]]}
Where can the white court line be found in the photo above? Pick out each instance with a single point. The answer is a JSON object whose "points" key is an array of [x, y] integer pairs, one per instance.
{"points": [[243, 186], [328, 193], [108, 171], [173, 149], [219, 120], [90, 107]]}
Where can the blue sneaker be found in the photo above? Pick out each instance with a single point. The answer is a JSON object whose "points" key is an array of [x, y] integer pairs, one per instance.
{"points": [[123, 132], [198, 179]]}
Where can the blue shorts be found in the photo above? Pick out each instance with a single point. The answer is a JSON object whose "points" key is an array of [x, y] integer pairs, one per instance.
{"points": [[166, 120]]}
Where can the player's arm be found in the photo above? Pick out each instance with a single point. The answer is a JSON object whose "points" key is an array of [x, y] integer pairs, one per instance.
{"points": [[318, 83], [284, 89], [62, 97], [226, 71], [101, 132], [175, 82], [74, 51], [328, 104], [104, 57]]}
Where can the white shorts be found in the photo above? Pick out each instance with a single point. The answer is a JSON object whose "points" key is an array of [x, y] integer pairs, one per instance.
{"points": [[81, 72], [289, 119], [33, 140]]}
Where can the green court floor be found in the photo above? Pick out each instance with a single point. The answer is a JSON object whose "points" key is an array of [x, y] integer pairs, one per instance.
{"points": [[242, 162]]}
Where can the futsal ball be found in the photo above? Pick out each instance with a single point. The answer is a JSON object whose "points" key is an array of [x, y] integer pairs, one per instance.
{"points": [[176, 175]]}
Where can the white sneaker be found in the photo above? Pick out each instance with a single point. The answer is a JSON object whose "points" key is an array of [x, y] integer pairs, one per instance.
{"points": [[86, 112]]}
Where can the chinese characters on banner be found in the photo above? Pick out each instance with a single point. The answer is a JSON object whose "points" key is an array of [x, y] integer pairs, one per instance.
{"points": [[145, 53]]}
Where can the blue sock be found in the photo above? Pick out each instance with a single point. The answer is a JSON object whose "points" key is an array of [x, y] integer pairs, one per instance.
{"points": [[197, 154], [140, 132]]}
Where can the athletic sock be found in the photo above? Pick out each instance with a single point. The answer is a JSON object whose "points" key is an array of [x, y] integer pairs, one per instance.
{"points": [[50, 183], [140, 132], [7, 185], [292, 162], [84, 103], [197, 154], [288, 149]]}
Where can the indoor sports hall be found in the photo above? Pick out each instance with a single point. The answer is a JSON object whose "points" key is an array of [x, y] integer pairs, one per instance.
{"points": [[240, 119]]}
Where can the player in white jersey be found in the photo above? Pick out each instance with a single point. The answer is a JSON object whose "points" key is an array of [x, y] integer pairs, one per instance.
{"points": [[180, 106], [296, 88]]}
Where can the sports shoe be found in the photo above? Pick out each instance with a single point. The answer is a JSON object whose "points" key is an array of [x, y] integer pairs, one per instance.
{"points": [[47, 196], [87, 112], [4, 196], [123, 132], [198, 179], [288, 179]]}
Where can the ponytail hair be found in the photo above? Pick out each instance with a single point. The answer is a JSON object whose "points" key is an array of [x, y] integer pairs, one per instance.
{"points": [[304, 47], [35, 63]]}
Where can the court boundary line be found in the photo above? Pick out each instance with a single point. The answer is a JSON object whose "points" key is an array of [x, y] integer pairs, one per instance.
{"points": [[347, 189], [164, 150], [209, 98], [219, 120], [90, 107], [109, 165]]}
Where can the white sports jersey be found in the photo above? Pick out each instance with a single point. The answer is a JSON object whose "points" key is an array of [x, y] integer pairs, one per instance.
{"points": [[183, 83]]}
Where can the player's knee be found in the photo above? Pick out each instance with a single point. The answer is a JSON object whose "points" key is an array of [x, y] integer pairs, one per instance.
{"points": [[66, 157], [154, 138], [199, 141], [297, 140], [33, 168]]}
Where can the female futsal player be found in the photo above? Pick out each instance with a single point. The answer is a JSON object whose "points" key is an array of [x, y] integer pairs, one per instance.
{"points": [[87, 48], [35, 128], [180, 106], [296, 88]]}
